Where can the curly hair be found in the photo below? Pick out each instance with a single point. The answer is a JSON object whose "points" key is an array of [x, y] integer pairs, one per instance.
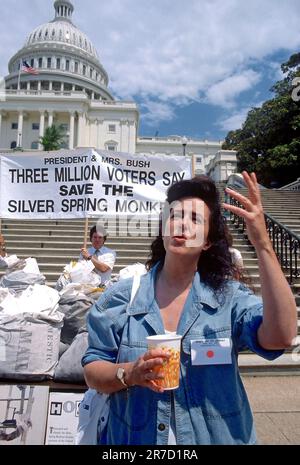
{"points": [[215, 264]]}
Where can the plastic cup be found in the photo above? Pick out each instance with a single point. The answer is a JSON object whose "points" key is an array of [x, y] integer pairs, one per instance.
{"points": [[171, 367]]}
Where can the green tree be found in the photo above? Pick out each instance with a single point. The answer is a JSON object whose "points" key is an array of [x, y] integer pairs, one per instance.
{"points": [[53, 138], [269, 141]]}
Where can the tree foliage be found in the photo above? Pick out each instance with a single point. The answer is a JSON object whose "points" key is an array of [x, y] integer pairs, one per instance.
{"points": [[269, 141], [53, 138]]}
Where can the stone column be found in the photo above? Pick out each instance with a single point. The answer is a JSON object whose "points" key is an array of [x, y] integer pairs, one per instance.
{"points": [[39, 86], [42, 127], [81, 130], [50, 85], [28, 85], [50, 118], [72, 128], [20, 129]]}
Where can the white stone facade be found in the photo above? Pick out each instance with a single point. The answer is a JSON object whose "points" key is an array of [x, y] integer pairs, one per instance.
{"points": [[70, 89]]}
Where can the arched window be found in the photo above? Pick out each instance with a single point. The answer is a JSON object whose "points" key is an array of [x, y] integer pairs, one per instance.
{"points": [[13, 145], [40, 34], [53, 33], [40, 62], [46, 34], [111, 146]]}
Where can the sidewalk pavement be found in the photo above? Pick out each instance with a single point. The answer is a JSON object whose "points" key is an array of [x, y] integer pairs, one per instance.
{"points": [[275, 402]]}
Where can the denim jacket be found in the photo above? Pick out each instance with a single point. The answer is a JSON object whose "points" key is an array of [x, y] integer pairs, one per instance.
{"points": [[211, 405]]}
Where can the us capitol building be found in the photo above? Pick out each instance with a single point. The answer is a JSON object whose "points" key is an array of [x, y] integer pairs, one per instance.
{"points": [[71, 89]]}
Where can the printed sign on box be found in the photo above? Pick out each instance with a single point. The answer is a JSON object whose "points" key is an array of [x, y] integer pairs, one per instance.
{"points": [[62, 421]]}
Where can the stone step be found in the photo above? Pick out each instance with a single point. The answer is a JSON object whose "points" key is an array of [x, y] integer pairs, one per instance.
{"points": [[286, 363], [44, 260], [133, 242], [45, 234]]}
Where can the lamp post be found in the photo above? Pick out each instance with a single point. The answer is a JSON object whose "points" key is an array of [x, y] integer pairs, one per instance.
{"points": [[184, 144]]}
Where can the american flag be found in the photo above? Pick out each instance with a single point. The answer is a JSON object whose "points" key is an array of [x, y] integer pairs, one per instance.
{"points": [[26, 68]]}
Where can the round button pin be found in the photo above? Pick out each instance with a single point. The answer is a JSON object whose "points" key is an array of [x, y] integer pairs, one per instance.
{"points": [[210, 353]]}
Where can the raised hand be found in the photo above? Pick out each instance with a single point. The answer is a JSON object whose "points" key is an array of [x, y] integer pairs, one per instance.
{"points": [[252, 211]]}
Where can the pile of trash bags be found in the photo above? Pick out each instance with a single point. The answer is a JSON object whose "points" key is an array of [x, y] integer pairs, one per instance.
{"points": [[43, 331]]}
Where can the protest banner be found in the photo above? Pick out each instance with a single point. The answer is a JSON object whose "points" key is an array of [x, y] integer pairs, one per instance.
{"points": [[86, 183]]}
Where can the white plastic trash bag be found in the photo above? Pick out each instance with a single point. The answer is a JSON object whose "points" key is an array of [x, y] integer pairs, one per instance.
{"points": [[138, 269], [93, 413]]}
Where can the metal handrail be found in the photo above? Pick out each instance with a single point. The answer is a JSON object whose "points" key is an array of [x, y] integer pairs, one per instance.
{"points": [[285, 242]]}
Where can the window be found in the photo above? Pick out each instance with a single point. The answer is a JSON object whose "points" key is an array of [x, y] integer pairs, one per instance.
{"points": [[64, 127], [40, 34], [91, 73], [67, 65], [76, 66], [35, 126], [111, 146], [53, 33], [40, 62], [46, 34], [48, 63], [13, 145], [57, 63], [97, 75], [199, 159], [14, 125], [32, 62], [84, 70], [111, 128], [35, 145]]}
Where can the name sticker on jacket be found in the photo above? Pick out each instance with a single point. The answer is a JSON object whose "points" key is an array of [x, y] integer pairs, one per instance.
{"points": [[211, 351]]}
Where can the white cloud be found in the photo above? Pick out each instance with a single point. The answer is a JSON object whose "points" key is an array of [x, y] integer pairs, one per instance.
{"points": [[170, 51], [236, 119], [225, 92], [155, 112]]}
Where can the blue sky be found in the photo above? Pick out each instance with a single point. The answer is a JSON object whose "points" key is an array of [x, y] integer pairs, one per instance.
{"points": [[195, 68]]}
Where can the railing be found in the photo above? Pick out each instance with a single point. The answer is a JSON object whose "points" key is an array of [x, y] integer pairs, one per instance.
{"points": [[293, 186], [286, 244]]}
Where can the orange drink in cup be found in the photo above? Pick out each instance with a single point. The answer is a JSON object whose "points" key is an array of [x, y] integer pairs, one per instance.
{"points": [[171, 367]]}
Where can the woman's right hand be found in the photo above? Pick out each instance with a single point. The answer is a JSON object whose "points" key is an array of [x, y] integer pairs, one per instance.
{"points": [[142, 371]]}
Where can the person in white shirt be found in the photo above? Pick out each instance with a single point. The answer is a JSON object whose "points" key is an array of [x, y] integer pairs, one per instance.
{"points": [[3, 253], [102, 257], [236, 256]]}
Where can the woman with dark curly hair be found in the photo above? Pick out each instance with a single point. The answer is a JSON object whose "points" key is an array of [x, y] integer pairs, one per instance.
{"points": [[189, 290]]}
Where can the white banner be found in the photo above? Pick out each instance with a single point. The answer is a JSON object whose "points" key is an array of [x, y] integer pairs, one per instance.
{"points": [[86, 182]]}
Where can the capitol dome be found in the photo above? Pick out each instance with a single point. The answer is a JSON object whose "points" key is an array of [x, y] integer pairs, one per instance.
{"points": [[59, 51]]}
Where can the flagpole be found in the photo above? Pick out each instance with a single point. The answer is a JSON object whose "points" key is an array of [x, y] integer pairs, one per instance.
{"points": [[19, 77]]}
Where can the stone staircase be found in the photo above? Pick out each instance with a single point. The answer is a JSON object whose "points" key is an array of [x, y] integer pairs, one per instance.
{"points": [[56, 243], [284, 207]]}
